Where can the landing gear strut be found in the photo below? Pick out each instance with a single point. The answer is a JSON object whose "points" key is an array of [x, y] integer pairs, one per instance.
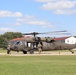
{"points": [[8, 51], [71, 51]]}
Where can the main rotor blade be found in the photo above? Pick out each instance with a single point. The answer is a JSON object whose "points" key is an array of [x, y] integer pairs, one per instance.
{"points": [[62, 34], [53, 32], [36, 33], [31, 33]]}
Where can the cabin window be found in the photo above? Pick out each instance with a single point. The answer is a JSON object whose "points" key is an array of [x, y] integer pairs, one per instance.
{"points": [[34, 45]]}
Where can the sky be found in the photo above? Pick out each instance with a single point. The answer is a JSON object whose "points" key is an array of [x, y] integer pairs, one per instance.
{"points": [[38, 16]]}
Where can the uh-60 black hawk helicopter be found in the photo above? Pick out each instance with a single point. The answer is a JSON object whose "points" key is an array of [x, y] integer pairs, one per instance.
{"points": [[31, 44]]}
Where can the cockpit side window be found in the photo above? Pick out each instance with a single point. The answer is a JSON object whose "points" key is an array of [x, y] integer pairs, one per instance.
{"points": [[19, 43], [11, 42]]}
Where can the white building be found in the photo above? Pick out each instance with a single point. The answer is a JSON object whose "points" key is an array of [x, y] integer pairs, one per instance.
{"points": [[67, 40], [70, 40]]}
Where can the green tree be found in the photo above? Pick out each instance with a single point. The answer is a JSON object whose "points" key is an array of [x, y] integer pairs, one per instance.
{"points": [[4, 39], [3, 42], [11, 35]]}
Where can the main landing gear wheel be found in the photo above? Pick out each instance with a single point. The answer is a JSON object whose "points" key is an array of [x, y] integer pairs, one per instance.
{"points": [[8, 51], [32, 51], [24, 52]]}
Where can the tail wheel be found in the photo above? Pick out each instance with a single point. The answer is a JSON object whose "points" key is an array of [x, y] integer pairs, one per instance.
{"points": [[71, 51], [24, 52]]}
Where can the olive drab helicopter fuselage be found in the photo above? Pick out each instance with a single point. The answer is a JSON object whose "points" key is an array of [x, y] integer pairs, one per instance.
{"points": [[28, 44], [31, 44]]}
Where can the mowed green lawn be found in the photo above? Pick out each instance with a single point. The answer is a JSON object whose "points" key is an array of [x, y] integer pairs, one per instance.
{"points": [[38, 65]]}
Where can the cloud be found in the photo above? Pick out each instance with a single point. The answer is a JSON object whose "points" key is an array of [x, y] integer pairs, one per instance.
{"points": [[44, 0], [6, 30], [59, 6], [68, 12], [30, 20], [10, 14], [22, 19]]}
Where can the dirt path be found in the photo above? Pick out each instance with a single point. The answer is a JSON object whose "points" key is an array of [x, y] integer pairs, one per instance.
{"points": [[37, 54]]}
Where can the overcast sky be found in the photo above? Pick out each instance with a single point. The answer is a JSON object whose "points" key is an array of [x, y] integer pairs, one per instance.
{"points": [[37, 15]]}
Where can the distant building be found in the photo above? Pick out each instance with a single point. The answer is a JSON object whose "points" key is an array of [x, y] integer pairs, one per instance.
{"points": [[70, 40], [67, 40]]}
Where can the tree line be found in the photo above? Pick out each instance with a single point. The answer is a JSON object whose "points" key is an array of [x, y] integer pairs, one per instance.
{"points": [[4, 38]]}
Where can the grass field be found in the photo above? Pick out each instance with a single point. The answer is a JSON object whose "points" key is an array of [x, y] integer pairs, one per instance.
{"points": [[38, 65]]}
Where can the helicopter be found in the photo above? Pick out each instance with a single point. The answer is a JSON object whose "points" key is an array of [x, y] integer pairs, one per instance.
{"points": [[31, 43]]}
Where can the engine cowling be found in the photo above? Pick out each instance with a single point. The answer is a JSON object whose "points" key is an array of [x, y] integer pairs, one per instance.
{"points": [[45, 39]]}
